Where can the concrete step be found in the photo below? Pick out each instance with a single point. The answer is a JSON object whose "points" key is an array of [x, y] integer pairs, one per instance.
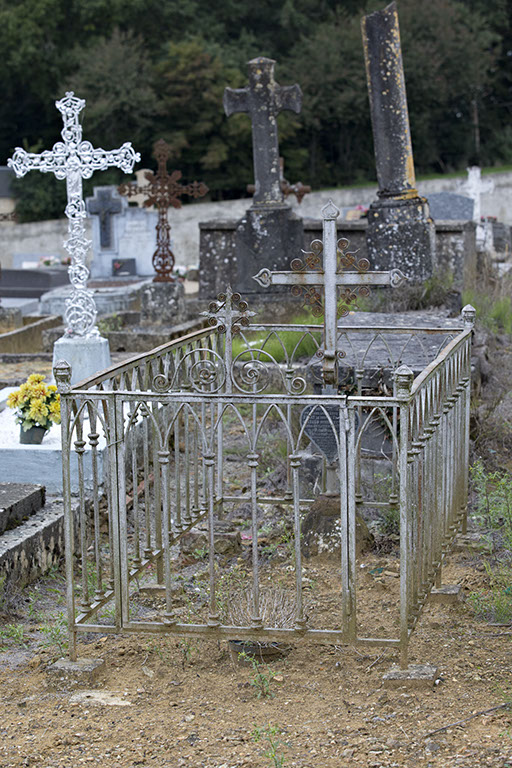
{"points": [[18, 501]]}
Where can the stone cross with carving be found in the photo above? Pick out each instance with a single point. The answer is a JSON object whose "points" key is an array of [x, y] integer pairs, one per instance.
{"points": [[327, 263], [263, 100], [73, 159], [162, 191], [104, 205]]}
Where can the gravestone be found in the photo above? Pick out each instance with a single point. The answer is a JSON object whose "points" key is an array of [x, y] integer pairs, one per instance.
{"points": [[321, 423], [120, 237], [475, 187], [400, 231], [448, 206], [102, 206], [269, 233]]}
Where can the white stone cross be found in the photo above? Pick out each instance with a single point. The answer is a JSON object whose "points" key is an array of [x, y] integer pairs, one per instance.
{"points": [[474, 187], [331, 277], [73, 159]]}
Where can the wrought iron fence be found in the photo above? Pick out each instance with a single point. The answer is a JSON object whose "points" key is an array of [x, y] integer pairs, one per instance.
{"points": [[170, 419]]}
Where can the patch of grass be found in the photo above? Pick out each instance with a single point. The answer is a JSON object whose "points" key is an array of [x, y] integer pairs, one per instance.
{"points": [[12, 634], [286, 347], [493, 500], [495, 603], [55, 634], [493, 307]]}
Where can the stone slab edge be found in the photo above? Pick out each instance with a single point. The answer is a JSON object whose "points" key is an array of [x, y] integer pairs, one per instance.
{"points": [[415, 676], [28, 551], [18, 501]]}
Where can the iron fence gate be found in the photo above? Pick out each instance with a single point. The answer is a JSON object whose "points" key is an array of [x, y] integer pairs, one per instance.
{"points": [[149, 444]]}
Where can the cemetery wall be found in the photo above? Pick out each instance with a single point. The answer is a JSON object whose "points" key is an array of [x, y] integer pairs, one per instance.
{"points": [[47, 237]]}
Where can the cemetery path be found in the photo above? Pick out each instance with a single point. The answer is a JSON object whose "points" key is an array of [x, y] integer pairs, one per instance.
{"points": [[168, 703]]}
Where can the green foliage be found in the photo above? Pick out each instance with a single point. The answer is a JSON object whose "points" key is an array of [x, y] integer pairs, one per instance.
{"points": [[493, 509], [493, 311], [495, 603], [55, 634], [262, 676], [12, 634], [287, 346], [493, 505], [270, 737], [149, 70], [110, 323]]}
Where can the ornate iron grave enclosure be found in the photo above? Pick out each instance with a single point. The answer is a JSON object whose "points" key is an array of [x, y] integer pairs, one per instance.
{"points": [[174, 419]]}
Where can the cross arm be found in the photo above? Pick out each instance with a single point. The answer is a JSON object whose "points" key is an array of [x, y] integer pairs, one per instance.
{"points": [[289, 97], [48, 161], [394, 278], [235, 100], [100, 159]]}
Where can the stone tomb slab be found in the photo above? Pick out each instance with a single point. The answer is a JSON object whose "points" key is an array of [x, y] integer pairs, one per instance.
{"points": [[42, 463], [447, 206]]}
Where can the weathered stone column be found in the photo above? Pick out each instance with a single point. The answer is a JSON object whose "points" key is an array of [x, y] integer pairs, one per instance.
{"points": [[401, 233]]}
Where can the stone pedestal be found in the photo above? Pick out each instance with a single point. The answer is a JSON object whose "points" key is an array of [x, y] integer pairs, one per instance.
{"points": [[267, 237], [162, 304], [401, 235], [86, 355]]}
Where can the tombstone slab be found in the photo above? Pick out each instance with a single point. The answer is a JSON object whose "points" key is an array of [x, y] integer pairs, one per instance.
{"points": [[449, 206]]}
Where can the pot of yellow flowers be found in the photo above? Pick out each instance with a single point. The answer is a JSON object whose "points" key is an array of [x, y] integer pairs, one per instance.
{"points": [[38, 407]]}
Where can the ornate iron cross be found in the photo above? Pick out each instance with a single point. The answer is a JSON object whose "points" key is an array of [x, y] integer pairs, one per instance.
{"points": [[73, 159], [263, 99], [162, 191], [327, 262]]}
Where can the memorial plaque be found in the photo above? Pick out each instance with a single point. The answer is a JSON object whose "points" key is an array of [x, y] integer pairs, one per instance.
{"points": [[320, 430], [123, 267]]}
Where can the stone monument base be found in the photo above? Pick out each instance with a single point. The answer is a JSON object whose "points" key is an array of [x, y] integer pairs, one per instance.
{"points": [[266, 237], [401, 235], [86, 355], [162, 304]]}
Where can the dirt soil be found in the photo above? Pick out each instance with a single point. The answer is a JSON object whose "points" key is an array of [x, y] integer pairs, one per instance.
{"points": [[163, 702]]}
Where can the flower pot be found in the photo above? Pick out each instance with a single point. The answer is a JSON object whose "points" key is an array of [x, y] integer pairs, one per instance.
{"points": [[261, 652], [33, 435]]}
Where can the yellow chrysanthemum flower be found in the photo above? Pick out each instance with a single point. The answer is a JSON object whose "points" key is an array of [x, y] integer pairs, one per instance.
{"points": [[38, 410], [38, 391], [35, 378], [13, 400], [52, 388]]}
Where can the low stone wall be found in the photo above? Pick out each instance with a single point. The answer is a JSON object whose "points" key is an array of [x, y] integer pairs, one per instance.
{"points": [[47, 237], [28, 339], [455, 245]]}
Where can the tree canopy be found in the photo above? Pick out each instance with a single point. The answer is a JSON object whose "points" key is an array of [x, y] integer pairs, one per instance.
{"points": [[151, 70]]}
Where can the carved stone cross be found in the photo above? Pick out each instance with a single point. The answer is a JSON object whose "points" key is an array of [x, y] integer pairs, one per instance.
{"points": [[263, 100], [104, 205], [327, 262], [162, 191], [73, 159]]}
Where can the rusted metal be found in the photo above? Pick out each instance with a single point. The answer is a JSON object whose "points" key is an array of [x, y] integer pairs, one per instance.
{"points": [[12, 216], [298, 189], [163, 190]]}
